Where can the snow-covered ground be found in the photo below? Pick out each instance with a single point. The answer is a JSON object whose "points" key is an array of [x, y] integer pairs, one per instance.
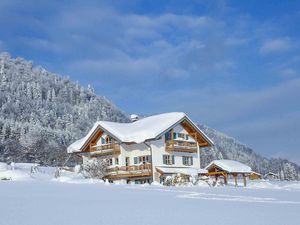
{"points": [[40, 199]]}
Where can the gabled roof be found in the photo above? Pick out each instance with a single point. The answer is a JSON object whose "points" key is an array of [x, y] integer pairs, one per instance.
{"points": [[230, 166], [148, 128]]}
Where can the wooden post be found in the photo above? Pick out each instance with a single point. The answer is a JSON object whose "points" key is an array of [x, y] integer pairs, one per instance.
{"points": [[235, 180], [225, 178], [244, 178]]}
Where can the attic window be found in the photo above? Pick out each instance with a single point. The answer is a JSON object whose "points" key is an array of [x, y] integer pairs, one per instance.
{"points": [[181, 135]]}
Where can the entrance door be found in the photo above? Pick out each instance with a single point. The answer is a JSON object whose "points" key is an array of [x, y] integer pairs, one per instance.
{"points": [[127, 161]]}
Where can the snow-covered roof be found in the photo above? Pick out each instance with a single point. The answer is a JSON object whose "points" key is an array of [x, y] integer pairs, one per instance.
{"points": [[230, 166], [139, 131], [176, 170]]}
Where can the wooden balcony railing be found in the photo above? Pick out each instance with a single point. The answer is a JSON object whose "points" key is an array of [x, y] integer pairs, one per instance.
{"points": [[106, 149], [181, 146], [144, 170]]}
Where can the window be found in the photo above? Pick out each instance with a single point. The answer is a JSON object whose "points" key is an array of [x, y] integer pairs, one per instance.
{"points": [[116, 161], [187, 160], [141, 159], [168, 159], [108, 139], [181, 135], [102, 140], [127, 161], [109, 162], [187, 137]]}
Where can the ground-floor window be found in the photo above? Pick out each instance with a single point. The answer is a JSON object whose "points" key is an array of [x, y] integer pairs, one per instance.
{"points": [[187, 160], [109, 162], [142, 159], [144, 181], [117, 161], [168, 159]]}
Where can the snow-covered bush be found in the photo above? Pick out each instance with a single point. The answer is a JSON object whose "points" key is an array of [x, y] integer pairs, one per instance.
{"points": [[95, 168], [177, 180]]}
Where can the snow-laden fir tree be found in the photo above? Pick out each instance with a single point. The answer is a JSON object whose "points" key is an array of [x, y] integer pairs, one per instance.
{"points": [[41, 113]]}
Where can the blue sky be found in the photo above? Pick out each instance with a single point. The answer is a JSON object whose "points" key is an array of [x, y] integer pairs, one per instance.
{"points": [[232, 65]]}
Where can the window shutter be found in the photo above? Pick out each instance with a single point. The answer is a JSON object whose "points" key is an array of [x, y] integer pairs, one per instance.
{"points": [[135, 160], [182, 160], [173, 159], [191, 160], [102, 140], [164, 159], [168, 136], [174, 135], [187, 137]]}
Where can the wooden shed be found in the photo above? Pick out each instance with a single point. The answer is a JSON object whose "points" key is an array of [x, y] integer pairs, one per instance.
{"points": [[226, 168], [255, 176]]}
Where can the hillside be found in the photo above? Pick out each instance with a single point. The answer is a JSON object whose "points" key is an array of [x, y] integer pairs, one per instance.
{"points": [[41, 112], [229, 148]]}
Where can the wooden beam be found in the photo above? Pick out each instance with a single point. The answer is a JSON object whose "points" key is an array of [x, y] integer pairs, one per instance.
{"points": [[193, 132], [244, 178]]}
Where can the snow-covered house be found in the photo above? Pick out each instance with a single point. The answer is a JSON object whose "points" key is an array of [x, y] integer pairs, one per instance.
{"points": [[226, 168], [271, 176], [147, 149]]}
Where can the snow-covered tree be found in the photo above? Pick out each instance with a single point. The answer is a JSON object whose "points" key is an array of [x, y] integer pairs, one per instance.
{"points": [[41, 113]]}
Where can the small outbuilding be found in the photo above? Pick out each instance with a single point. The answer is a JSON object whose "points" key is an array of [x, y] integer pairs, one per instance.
{"points": [[255, 176], [226, 168], [271, 176]]}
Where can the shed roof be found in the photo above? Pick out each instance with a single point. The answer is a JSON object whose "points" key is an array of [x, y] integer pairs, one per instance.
{"points": [[230, 166]]}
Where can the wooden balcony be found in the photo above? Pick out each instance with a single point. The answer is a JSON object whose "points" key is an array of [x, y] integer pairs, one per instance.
{"points": [[181, 146], [144, 170], [104, 150]]}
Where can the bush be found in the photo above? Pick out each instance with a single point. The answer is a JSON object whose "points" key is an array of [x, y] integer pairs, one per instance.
{"points": [[95, 168], [177, 180]]}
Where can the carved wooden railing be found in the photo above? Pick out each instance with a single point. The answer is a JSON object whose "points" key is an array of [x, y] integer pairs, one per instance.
{"points": [[140, 170], [106, 149], [181, 146]]}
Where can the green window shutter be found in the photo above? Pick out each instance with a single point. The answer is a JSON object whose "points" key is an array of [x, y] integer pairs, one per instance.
{"points": [[182, 160], [174, 135], [173, 159], [191, 160], [135, 160], [187, 137]]}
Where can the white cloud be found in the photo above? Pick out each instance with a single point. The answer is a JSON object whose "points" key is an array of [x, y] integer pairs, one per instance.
{"points": [[276, 45]]}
